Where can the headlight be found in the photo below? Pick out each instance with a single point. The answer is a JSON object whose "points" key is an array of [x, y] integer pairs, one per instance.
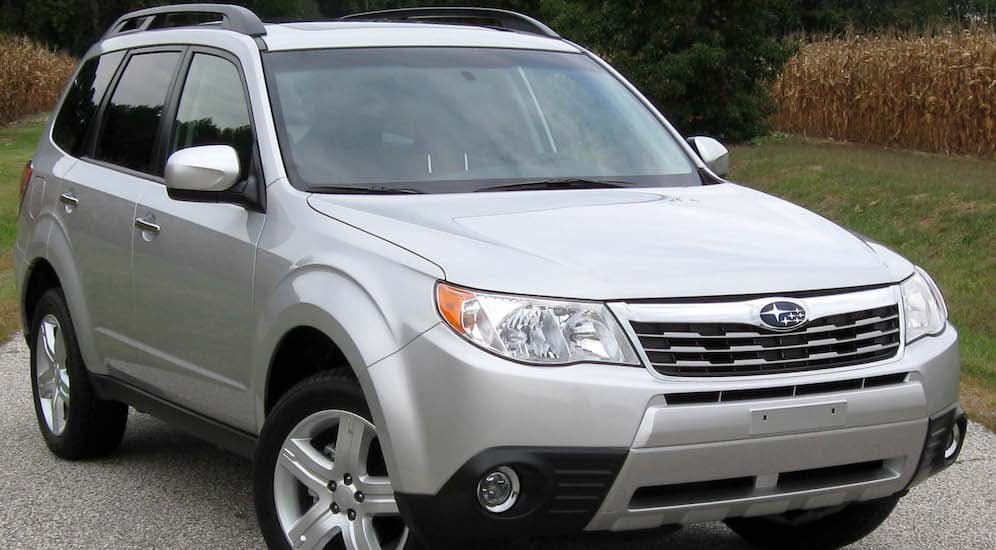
{"points": [[924, 306], [535, 330]]}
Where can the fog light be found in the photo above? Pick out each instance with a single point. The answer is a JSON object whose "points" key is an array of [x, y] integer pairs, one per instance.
{"points": [[498, 490]]}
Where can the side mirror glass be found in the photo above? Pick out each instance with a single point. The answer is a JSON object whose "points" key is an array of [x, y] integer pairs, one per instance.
{"points": [[713, 153], [209, 168]]}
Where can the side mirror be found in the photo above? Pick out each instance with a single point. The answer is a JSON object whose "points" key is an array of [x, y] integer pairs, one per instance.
{"points": [[205, 169], [713, 153]]}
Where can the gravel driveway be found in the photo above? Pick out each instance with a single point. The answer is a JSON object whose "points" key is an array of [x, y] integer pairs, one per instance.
{"points": [[165, 489]]}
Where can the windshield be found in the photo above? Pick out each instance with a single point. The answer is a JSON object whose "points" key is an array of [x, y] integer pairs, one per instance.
{"points": [[462, 119]]}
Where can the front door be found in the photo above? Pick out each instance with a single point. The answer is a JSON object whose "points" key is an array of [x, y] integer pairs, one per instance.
{"points": [[193, 261]]}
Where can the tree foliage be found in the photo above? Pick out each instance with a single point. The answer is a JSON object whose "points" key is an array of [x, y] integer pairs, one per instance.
{"points": [[706, 63]]}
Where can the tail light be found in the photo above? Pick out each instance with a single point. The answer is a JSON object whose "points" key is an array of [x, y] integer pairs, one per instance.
{"points": [[25, 180]]}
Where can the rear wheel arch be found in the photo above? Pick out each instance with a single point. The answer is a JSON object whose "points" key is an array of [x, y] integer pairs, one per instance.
{"points": [[41, 277], [61, 257]]}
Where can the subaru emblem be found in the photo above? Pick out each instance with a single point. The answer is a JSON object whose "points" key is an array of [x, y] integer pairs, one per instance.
{"points": [[783, 315]]}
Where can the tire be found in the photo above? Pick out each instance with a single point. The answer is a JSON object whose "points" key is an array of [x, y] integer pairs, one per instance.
{"points": [[294, 471], [826, 529], [85, 427]]}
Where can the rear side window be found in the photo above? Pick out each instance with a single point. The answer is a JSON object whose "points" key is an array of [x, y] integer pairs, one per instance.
{"points": [[131, 118], [84, 96], [213, 109]]}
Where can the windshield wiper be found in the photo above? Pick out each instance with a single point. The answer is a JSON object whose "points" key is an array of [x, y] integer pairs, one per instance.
{"points": [[361, 190], [558, 183]]}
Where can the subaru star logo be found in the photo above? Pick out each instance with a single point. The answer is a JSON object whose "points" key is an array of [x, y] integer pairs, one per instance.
{"points": [[783, 315]]}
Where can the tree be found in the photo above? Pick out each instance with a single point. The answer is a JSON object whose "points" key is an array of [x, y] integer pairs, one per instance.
{"points": [[702, 62], [705, 63]]}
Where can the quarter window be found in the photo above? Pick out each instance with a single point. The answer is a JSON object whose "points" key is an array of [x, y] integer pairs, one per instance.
{"points": [[131, 120], [84, 95], [213, 109]]}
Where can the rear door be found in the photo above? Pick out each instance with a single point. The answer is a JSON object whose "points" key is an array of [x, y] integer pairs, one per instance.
{"points": [[98, 195], [193, 260]]}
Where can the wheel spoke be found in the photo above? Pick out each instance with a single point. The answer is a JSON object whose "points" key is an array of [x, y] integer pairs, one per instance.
{"points": [[59, 347], [381, 506], [62, 380], [63, 392], [47, 383], [375, 486], [379, 495], [314, 529], [306, 464], [48, 331], [361, 535], [57, 411], [352, 446]]}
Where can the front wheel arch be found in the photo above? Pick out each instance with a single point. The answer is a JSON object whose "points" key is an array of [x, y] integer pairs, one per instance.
{"points": [[302, 352]]}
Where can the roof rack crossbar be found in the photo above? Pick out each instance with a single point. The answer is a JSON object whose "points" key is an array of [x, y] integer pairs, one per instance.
{"points": [[234, 18], [461, 16]]}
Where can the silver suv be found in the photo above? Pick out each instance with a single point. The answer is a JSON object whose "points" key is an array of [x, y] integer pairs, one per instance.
{"points": [[450, 279]]}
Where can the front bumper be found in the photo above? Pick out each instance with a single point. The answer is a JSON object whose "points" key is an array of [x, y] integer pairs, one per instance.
{"points": [[449, 409]]}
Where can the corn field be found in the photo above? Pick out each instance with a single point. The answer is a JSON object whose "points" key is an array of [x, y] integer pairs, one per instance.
{"points": [[933, 92], [31, 77]]}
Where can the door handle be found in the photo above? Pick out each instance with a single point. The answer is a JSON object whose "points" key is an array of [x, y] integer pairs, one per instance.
{"points": [[68, 199], [147, 225]]}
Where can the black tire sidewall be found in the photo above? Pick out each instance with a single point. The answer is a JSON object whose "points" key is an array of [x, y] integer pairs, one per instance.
{"points": [[71, 441]]}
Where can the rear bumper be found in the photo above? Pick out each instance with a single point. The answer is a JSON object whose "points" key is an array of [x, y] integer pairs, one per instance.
{"points": [[451, 412]]}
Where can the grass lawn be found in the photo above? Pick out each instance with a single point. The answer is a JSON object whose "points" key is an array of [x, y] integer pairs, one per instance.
{"points": [[938, 211], [17, 144]]}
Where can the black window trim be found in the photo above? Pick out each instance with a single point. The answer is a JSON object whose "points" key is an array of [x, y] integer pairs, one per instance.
{"points": [[92, 139], [87, 136], [166, 131]]}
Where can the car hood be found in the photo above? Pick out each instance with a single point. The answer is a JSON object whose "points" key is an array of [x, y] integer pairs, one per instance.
{"points": [[716, 240]]}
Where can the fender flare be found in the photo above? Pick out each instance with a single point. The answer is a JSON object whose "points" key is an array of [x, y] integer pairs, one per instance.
{"points": [[58, 253], [305, 298]]}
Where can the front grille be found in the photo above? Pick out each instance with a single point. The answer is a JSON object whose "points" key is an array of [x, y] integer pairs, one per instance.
{"points": [[732, 349]]}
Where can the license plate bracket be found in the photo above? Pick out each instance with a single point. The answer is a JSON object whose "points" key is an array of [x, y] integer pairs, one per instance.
{"points": [[798, 418]]}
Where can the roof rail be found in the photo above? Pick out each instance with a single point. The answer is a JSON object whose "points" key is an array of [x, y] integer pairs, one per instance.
{"points": [[459, 16], [233, 18]]}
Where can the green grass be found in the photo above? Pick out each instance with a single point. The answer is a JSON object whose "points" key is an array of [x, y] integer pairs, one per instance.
{"points": [[940, 212], [17, 144]]}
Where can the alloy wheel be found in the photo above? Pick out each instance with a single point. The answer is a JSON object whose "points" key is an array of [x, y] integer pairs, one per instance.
{"points": [[331, 488], [52, 374]]}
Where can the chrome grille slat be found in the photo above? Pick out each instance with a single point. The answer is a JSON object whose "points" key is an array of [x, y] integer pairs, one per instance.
{"points": [[813, 357], [713, 348], [825, 341], [809, 330]]}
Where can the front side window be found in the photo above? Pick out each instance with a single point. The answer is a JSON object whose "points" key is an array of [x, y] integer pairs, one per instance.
{"points": [[461, 119], [213, 109], [131, 118], [84, 96]]}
